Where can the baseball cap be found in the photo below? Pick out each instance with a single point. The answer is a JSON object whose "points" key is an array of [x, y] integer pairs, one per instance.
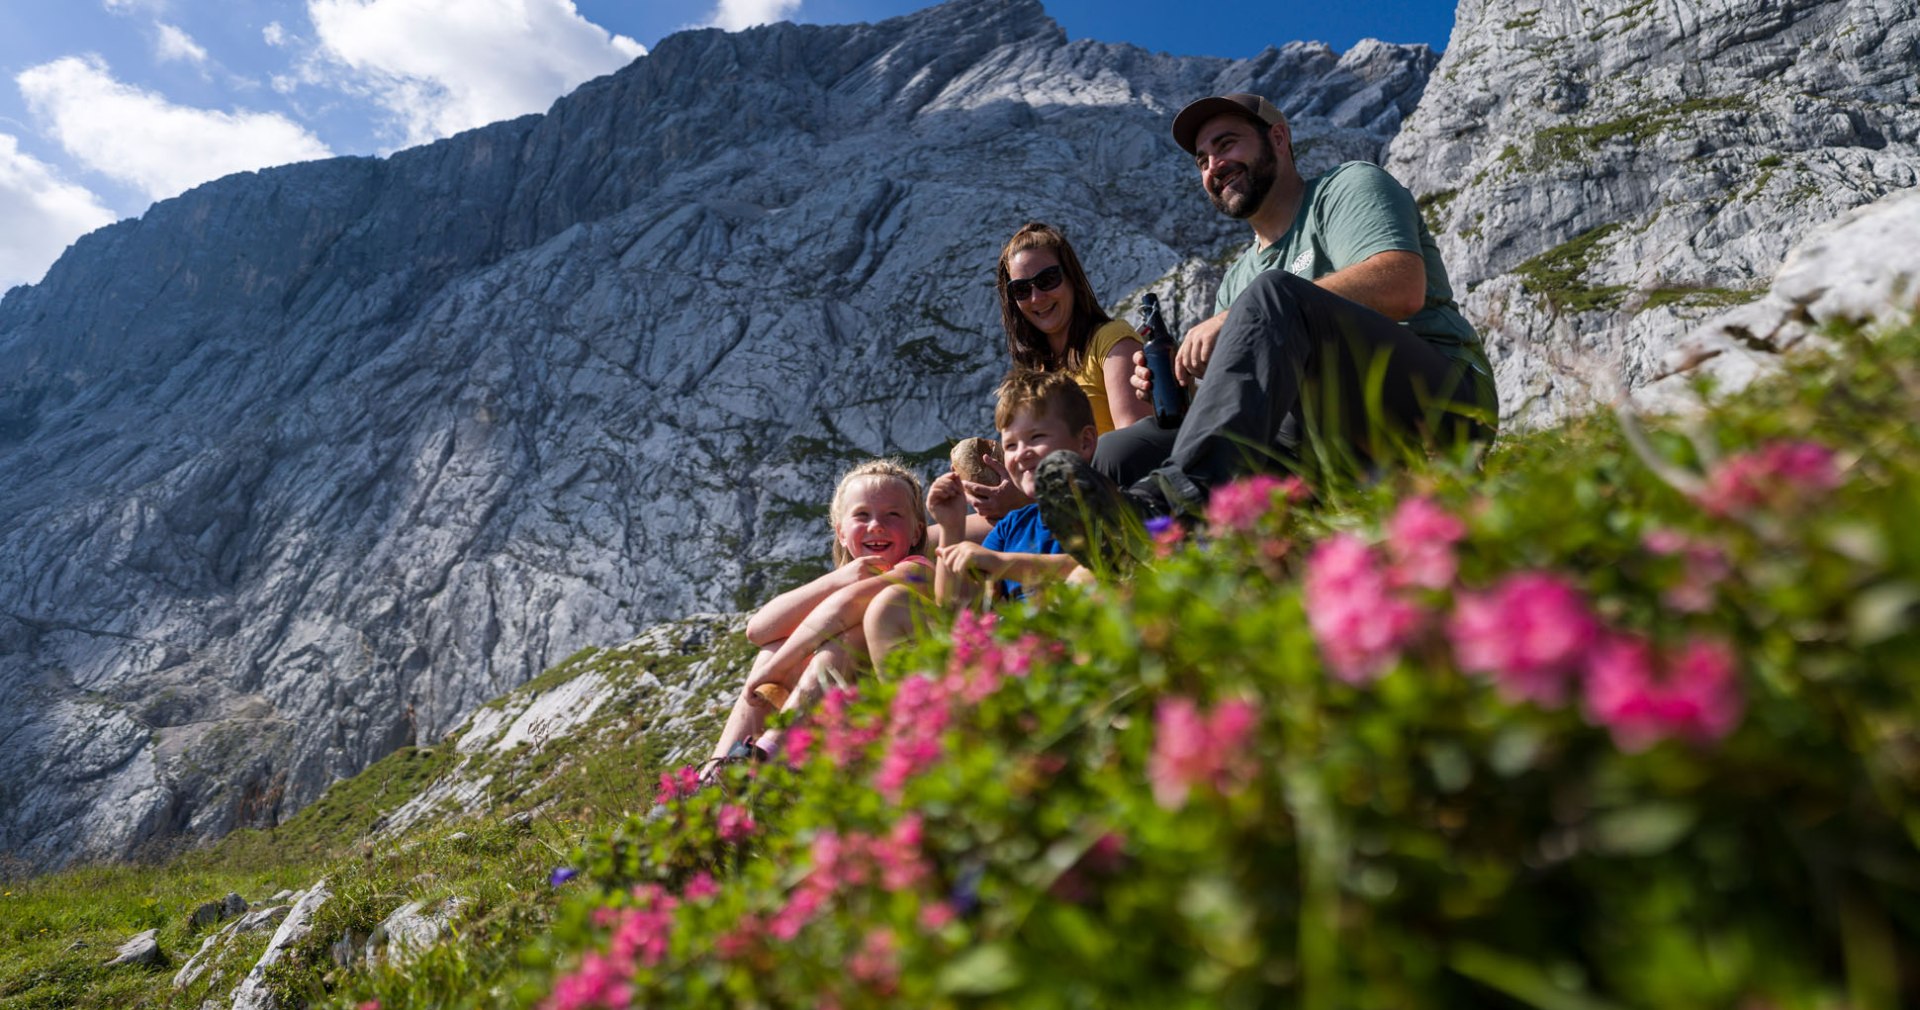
{"points": [[1188, 123]]}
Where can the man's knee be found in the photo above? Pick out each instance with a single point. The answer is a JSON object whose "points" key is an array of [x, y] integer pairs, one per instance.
{"points": [[1271, 291]]}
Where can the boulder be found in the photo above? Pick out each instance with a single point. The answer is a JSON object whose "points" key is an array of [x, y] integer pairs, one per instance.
{"points": [[142, 949], [251, 922], [412, 928]]}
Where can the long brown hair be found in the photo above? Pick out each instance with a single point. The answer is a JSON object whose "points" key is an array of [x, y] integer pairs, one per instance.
{"points": [[888, 468], [1025, 343]]}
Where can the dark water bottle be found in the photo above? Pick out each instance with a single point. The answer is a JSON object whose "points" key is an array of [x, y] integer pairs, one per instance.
{"points": [[1169, 399]]}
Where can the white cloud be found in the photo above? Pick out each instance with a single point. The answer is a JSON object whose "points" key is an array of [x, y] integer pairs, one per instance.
{"points": [[43, 212], [140, 138], [174, 44], [275, 34], [734, 15], [130, 6], [442, 66]]}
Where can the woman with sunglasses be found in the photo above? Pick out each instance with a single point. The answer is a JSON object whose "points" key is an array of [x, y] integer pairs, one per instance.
{"points": [[1054, 323]]}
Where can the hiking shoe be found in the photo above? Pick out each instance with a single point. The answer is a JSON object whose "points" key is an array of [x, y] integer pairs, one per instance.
{"points": [[1102, 525]]}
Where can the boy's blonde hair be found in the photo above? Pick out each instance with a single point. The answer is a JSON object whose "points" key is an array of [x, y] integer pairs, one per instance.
{"points": [[1042, 393], [887, 467]]}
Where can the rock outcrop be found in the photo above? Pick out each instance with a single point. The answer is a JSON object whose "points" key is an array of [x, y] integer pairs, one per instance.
{"points": [[1860, 270], [254, 991], [1604, 174]]}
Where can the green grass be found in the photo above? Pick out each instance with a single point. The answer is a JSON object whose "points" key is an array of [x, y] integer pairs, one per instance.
{"points": [[56, 929], [1433, 208], [1702, 297], [1573, 141], [1559, 274]]}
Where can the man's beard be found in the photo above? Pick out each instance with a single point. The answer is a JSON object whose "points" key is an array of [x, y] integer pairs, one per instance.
{"points": [[1257, 177]]}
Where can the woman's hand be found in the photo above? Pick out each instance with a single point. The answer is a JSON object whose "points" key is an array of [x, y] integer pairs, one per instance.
{"points": [[994, 501]]}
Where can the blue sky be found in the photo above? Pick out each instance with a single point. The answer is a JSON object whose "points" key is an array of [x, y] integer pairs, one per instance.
{"points": [[109, 105]]}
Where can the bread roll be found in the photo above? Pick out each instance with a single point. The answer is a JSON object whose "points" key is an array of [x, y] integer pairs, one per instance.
{"points": [[969, 458], [772, 694]]}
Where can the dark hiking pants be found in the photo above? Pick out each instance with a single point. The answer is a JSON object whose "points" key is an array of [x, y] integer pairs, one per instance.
{"points": [[1293, 359]]}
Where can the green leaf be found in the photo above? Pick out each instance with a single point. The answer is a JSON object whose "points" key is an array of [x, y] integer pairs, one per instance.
{"points": [[1519, 979], [1644, 830], [981, 971], [1882, 612]]}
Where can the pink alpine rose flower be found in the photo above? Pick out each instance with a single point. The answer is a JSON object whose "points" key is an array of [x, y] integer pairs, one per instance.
{"points": [[735, 824], [1530, 634], [599, 983], [1703, 567], [877, 963], [700, 887], [1192, 748], [1696, 697], [1421, 536], [1360, 623], [920, 712], [1777, 475], [1239, 506]]}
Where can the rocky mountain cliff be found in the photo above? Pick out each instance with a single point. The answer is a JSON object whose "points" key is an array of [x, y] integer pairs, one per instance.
{"points": [[307, 463], [1604, 173]]}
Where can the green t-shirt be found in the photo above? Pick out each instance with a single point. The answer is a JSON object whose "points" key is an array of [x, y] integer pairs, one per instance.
{"points": [[1353, 212]]}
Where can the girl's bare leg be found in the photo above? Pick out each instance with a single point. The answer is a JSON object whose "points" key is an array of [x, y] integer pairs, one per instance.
{"points": [[749, 715], [891, 619], [832, 665]]}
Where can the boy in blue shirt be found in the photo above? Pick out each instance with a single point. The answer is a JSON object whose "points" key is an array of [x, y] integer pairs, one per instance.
{"points": [[1038, 413]]}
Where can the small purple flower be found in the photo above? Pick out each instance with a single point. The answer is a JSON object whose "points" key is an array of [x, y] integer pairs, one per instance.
{"points": [[561, 875], [1159, 524]]}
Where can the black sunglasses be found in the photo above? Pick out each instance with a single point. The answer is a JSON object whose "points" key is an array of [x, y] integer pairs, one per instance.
{"points": [[1045, 280]]}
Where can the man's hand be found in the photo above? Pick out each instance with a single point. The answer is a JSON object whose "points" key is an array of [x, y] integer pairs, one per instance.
{"points": [[1190, 361], [995, 500]]}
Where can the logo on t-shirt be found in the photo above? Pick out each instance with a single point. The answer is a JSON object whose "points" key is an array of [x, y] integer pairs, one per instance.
{"points": [[1301, 263]]}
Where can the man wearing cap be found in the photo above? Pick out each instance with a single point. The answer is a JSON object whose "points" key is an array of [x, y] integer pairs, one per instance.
{"points": [[1341, 302]]}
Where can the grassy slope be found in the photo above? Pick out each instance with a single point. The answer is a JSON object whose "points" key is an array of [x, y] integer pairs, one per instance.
{"points": [[55, 930]]}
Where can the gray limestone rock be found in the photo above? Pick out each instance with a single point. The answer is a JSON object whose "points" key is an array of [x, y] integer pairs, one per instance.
{"points": [[307, 463], [1860, 269], [1603, 175], [410, 929], [141, 949], [252, 993]]}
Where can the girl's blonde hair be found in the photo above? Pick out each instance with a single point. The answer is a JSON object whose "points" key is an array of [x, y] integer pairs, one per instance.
{"points": [[887, 467]]}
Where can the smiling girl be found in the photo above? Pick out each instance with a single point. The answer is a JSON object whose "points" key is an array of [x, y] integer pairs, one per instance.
{"points": [[812, 636]]}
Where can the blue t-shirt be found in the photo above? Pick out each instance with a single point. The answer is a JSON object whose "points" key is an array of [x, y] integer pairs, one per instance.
{"points": [[1021, 531]]}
